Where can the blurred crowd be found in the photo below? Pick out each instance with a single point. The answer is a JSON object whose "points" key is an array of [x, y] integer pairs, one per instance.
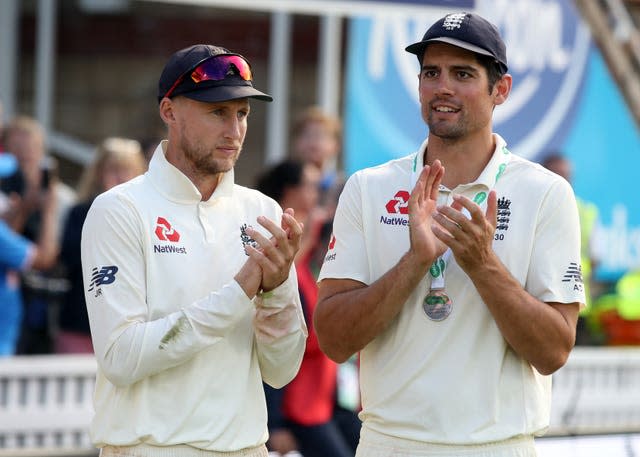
{"points": [[612, 314]]}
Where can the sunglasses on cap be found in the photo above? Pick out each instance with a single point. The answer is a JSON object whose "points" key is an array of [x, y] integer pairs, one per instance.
{"points": [[216, 68]]}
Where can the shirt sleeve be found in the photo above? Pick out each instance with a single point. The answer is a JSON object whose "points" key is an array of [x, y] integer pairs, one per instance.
{"points": [[554, 274], [347, 256], [280, 331], [128, 346]]}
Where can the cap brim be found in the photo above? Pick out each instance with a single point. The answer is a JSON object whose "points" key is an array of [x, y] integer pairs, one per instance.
{"points": [[8, 164], [417, 48], [224, 93]]}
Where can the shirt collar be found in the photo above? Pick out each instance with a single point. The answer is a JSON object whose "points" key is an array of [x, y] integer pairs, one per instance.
{"points": [[496, 166], [176, 186], [489, 176]]}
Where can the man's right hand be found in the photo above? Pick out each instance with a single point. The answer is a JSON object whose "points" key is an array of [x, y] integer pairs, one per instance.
{"points": [[422, 204]]}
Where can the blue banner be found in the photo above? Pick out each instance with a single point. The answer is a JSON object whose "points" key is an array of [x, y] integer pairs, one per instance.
{"points": [[563, 100]]}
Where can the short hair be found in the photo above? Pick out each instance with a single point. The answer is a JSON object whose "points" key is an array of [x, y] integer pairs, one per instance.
{"points": [[552, 157], [25, 124], [124, 152], [315, 114], [493, 68], [277, 179]]}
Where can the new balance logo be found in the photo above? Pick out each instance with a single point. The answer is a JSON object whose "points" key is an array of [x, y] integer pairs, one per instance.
{"points": [[165, 232], [101, 276], [399, 204], [574, 273]]}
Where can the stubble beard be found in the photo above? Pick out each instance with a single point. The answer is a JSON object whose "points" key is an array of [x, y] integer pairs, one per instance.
{"points": [[202, 160], [446, 130]]}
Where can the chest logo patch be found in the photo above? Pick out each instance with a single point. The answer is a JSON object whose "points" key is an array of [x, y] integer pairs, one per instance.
{"points": [[102, 276], [399, 204], [246, 239], [165, 232], [503, 213]]}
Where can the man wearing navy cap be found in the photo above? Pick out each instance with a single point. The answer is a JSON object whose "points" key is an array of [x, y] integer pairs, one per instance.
{"points": [[454, 271], [189, 282]]}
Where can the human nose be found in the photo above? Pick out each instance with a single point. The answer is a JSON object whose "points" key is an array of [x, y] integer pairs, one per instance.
{"points": [[443, 86], [234, 127]]}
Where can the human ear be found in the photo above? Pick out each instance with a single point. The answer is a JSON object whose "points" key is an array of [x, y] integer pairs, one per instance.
{"points": [[167, 110], [502, 89]]}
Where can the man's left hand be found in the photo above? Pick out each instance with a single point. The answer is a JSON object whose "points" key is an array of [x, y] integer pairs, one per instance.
{"points": [[276, 254], [470, 238]]}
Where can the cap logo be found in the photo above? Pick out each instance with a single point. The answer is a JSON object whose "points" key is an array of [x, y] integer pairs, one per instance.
{"points": [[453, 21]]}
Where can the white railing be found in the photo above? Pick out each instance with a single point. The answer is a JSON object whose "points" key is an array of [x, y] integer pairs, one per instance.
{"points": [[46, 401], [46, 405], [598, 391]]}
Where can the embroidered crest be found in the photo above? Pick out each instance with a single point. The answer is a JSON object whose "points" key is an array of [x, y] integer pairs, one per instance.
{"points": [[246, 239], [504, 213], [453, 21]]}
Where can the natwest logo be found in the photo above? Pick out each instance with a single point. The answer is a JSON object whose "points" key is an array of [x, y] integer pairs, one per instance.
{"points": [[165, 232], [399, 204]]}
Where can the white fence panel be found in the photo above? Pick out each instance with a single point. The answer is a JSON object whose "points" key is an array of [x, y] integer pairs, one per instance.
{"points": [[46, 405]]}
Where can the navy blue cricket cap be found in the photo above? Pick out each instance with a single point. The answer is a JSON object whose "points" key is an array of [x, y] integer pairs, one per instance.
{"points": [[232, 87], [468, 31]]}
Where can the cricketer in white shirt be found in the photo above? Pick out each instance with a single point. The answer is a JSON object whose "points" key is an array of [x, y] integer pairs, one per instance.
{"points": [[456, 380], [182, 351]]}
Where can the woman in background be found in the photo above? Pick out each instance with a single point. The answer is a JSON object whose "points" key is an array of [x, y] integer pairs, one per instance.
{"points": [[304, 415], [117, 160]]}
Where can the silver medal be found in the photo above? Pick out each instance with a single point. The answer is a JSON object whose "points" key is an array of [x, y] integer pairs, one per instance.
{"points": [[437, 305]]}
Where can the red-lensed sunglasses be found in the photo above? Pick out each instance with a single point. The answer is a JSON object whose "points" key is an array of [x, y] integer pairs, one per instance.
{"points": [[216, 68]]}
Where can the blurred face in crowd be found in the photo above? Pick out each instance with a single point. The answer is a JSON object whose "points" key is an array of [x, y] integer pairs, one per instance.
{"points": [[27, 144], [116, 172], [561, 167], [304, 197], [316, 143]]}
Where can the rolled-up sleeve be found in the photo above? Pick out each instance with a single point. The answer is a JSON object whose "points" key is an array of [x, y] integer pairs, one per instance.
{"points": [[280, 331]]}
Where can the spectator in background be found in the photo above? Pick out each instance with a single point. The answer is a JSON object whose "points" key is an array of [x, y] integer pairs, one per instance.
{"points": [[41, 290], [587, 331], [304, 414], [18, 254], [117, 160], [317, 138], [1, 126]]}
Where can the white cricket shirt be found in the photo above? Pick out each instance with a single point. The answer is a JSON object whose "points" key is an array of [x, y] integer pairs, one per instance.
{"points": [[457, 381], [181, 350]]}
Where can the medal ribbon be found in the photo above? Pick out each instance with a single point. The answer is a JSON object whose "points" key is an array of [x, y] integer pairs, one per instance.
{"points": [[437, 270], [439, 266]]}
